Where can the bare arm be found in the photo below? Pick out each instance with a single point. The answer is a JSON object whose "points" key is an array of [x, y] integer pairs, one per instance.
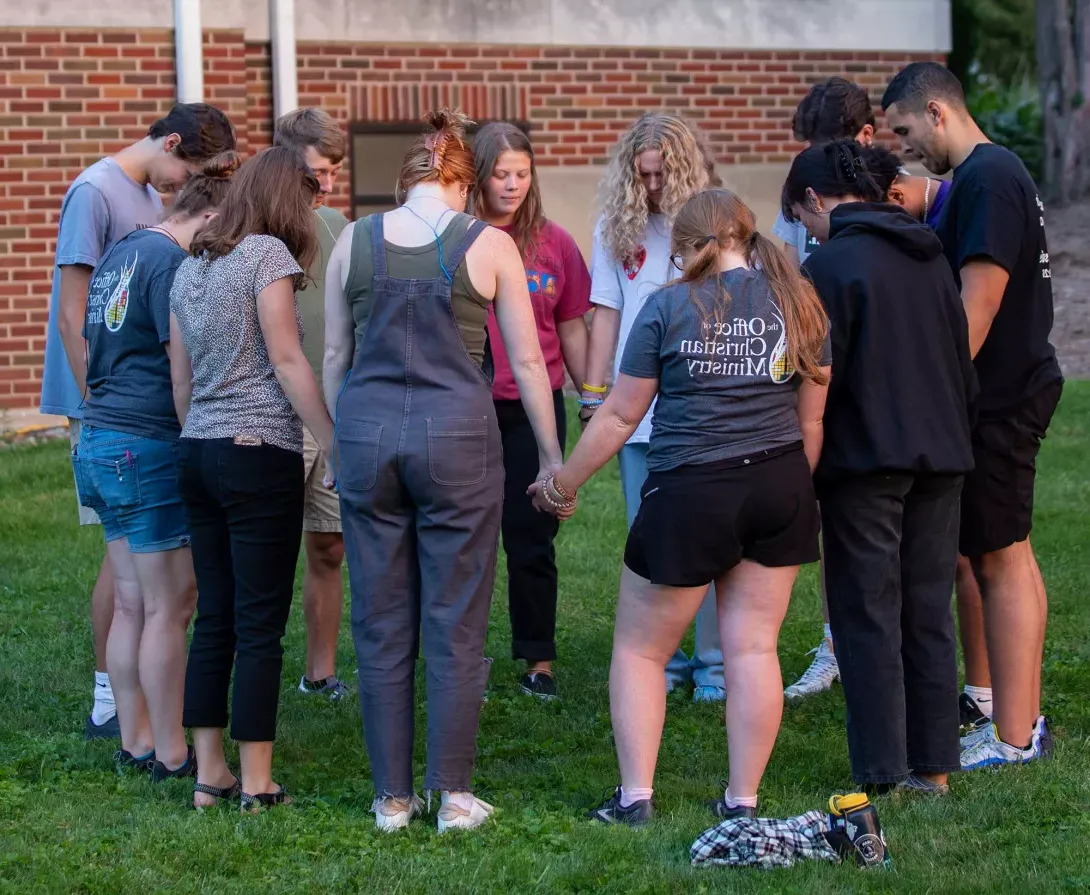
{"points": [[610, 428], [811, 410], [982, 286], [792, 254], [75, 282], [605, 327], [181, 371], [518, 328], [574, 339], [276, 314], [340, 338]]}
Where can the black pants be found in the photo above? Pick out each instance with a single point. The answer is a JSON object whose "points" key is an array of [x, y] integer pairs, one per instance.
{"points": [[891, 544], [245, 508], [528, 536]]}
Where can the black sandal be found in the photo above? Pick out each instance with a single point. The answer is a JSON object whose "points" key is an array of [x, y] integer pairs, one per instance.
{"points": [[254, 804], [126, 761], [219, 793], [188, 768]]}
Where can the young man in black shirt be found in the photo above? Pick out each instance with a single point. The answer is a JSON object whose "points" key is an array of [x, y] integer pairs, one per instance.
{"points": [[993, 233]]}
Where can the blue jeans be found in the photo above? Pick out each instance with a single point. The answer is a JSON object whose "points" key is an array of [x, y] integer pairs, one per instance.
{"points": [[131, 481], [705, 669]]}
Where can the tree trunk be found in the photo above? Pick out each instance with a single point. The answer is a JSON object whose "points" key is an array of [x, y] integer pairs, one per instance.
{"points": [[1063, 59]]}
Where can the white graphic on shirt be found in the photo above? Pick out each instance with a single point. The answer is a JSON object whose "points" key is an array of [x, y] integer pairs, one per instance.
{"points": [[118, 304], [740, 348]]}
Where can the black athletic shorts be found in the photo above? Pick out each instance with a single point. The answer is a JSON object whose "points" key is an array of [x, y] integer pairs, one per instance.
{"points": [[997, 502], [697, 522]]}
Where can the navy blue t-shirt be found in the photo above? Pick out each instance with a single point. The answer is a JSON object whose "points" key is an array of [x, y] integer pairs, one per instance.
{"points": [[127, 326]]}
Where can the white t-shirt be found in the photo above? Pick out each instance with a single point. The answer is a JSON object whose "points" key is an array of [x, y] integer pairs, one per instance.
{"points": [[795, 235], [625, 288]]}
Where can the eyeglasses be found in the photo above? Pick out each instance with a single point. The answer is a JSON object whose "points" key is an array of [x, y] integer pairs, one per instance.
{"points": [[678, 262]]}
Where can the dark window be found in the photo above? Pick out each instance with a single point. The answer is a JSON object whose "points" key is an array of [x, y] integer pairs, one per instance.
{"points": [[377, 150]]}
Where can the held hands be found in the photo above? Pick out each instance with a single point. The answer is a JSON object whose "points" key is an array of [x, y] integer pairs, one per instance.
{"points": [[551, 497], [328, 482]]}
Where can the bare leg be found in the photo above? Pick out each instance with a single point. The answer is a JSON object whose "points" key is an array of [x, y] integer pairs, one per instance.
{"points": [[170, 595], [123, 650], [323, 601], [102, 611], [752, 603], [256, 767], [825, 603], [1012, 618], [211, 764], [651, 621], [971, 626], [1042, 602]]}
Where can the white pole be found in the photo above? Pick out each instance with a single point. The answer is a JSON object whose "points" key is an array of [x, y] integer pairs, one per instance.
{"points": [[282, 38], [187, 46]]}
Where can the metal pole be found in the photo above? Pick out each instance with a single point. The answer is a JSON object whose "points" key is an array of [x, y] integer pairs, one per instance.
{"points": [[282, 40], [188, 55]]}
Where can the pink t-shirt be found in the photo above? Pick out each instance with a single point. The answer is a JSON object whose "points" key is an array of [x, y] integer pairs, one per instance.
{"points": [[559, 290]]}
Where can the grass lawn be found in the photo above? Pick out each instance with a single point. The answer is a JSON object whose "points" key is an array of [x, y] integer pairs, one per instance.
{"points": [[68, 823]]}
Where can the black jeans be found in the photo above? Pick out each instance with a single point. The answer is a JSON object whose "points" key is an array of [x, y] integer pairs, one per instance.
{"points": [[528, 536], [891, 543], [245, 508]]}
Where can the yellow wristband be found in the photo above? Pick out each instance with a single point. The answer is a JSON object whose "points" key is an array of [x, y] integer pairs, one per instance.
{"points": [[596, 389]]}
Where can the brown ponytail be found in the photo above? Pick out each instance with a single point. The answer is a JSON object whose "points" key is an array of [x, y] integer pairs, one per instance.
{"points": [[439, 155], [716, 219]]}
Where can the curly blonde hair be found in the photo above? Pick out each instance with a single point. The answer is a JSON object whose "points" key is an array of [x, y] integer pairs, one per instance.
{"points": [[685, 169]]}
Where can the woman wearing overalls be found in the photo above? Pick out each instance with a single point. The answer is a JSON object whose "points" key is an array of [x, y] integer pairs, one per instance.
{"points": [[418, 460]]}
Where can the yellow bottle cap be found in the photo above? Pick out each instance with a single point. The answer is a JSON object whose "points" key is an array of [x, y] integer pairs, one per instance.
{"points": [[839, 804]]}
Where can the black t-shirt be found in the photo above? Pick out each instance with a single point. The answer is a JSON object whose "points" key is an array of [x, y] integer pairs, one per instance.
{"points": [[127, 325], [994, 214]]}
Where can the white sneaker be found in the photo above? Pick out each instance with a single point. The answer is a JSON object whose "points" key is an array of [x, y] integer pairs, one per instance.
{"points": [[455, 817], [394, 814], [987, 750], [819, 676]]}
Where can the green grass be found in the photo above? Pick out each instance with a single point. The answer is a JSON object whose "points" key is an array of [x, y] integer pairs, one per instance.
{"points": [[68, 823]]}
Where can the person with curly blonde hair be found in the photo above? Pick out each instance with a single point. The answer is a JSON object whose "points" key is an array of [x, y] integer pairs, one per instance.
{"points": [[659, 163]]}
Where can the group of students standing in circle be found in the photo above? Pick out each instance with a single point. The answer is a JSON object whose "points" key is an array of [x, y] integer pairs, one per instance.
{"points": [[254, 371]]}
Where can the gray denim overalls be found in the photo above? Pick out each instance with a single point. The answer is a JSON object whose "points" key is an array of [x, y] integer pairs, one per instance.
{"points": [[421, 486]]}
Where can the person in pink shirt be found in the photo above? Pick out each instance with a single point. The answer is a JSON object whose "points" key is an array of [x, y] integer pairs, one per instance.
{"points": [[508, 197]]}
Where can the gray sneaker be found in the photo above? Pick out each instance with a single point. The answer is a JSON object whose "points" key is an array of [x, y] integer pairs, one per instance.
{"points": [[918, 785], [331, 688]]}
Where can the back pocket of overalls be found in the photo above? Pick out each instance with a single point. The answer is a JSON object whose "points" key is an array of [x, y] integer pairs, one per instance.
{"points": [[355, 458], [458, 450]]}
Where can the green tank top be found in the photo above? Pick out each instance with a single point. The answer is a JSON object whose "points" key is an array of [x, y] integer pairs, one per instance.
{"points": [[419, 262]]}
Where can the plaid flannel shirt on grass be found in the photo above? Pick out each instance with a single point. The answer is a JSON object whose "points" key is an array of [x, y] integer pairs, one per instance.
{"points": [[764, 842]]}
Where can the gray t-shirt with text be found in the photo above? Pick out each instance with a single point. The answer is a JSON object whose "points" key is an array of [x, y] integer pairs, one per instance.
{"points": [[726, 389]]}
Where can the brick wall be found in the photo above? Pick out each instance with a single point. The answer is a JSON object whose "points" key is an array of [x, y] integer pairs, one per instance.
{"points": [[69, 97]]}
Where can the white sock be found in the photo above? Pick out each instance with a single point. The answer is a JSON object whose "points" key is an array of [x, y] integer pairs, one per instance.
{"points": [[739, 801], [463, 800], [828, 630], [630, 796], [982, 696], [104, 708]]}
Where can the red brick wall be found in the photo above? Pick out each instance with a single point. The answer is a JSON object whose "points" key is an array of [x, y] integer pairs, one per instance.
{"points": [[69, 97]]}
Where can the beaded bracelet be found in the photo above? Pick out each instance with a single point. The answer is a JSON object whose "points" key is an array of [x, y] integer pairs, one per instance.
{"points": [[565, 502], [596, 389], [591, 402]]}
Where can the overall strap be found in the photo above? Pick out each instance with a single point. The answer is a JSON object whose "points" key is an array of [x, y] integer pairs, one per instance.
{"points": [[458, 255], [378, 246]]}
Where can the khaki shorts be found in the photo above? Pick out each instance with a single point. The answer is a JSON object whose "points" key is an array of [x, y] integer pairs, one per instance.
{"points": [[321, 507], [87, 516]]}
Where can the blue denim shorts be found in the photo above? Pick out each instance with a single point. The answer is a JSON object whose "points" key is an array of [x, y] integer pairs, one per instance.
{"points": [[132, 483]]}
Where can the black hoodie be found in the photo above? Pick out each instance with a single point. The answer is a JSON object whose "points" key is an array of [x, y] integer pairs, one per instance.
{"points": [[903, 380]]}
